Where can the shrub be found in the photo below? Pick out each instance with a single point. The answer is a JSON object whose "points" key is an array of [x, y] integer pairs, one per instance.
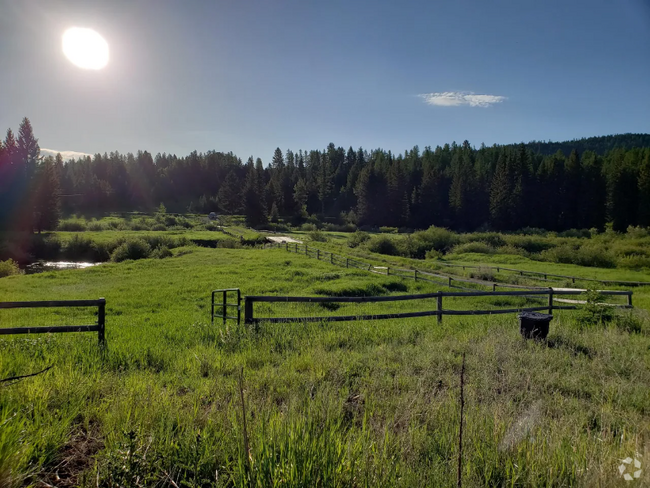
{"points": [[517, 251], [388, 230], [95, 226], [160, 227], [583, 256], [45, 247], [383, 245], [492, 239], [308, 227], [629, 321], [72, 225], [582, 233], [318, 236], [161, 253], [131, 249], [229, 244], [437, 238], [80, 249], [8, 268], [358, 238], [633, 262], [485, 274], [593, 312], [477, 247], [433, 254], [530, 244]]}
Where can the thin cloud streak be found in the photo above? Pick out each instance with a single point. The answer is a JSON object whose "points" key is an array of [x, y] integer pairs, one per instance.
{"points": [[66, 155], [457, 99]]}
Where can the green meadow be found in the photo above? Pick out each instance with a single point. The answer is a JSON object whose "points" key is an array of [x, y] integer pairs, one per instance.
{"points": [[366, 403]]}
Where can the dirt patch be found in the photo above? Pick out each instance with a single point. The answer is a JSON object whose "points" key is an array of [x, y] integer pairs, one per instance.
{"points": [[282, 239], [75, 457]]}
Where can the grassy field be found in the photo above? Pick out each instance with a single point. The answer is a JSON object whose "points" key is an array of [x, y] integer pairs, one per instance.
{"points": [[327, 404]]}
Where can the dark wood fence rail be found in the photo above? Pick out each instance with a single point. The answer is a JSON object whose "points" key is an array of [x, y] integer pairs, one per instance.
{"points": [[249, 301], [99, 327]]}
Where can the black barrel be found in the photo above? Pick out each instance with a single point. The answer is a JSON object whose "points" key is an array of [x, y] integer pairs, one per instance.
{"points": [[534, 325]]}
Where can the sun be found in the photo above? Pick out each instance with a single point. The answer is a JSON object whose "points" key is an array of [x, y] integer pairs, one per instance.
{"points": [[85, 48]]}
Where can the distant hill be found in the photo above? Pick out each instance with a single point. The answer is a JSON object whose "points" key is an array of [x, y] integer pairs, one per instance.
{"points": [[599, 145]]}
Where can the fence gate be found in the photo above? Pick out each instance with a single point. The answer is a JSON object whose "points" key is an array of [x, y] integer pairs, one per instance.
{"points": [[220, 304]]}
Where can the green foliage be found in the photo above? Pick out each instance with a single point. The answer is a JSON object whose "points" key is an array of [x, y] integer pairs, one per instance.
{"points": [[318, 236], [358, 238], [8, 268], [132, 249], [594, 311], [383, 245], [72, 225], [476, 247], [582, 256], [161, 253]]}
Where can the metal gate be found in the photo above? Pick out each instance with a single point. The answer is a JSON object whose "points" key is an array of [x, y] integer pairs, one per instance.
{"points": [[220, 306]]}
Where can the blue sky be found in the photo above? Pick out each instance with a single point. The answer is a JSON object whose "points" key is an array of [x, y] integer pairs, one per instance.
{"points": [[248, 76]]}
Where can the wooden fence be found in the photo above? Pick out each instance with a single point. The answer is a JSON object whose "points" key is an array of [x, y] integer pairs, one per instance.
{"points": [[417, 274], [99, 327], [414, 274], [249, 305]]}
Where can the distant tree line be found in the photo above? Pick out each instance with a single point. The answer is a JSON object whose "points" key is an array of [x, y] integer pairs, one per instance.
{"points": [[456, 186]]}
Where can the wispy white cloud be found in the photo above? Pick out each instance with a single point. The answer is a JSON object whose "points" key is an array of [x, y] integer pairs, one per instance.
{"points": [[65, 154], [456, 99]]}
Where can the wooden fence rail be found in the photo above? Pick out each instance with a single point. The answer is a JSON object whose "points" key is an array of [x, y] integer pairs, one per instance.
{"points": [[427, 276], [249, 301], [99, 327]]}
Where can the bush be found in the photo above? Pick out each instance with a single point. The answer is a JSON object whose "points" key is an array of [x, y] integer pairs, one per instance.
{"points": [[530, 244], [161, 253], [437, 238], [228, 244], [492, 239], [80, 249], [159, 227], [95, 226], [477, 247], [594, 312], [388, 230], [433, 254], [629, 321], [633, 262], [72, 225], [308, 227], [8, 268], [45, 247], [383, 245], [485, 274], [358, 238], [318, 236], [583, 256], [517, 251], [131, 249], [582, 233]]}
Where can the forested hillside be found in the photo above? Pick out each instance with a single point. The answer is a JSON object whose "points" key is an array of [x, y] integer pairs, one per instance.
{"points": [[455, 186], [600, 145]]}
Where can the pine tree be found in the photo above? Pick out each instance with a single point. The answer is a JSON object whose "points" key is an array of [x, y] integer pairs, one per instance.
{"points": [[500, 197], [254, 199], [47, 202], [229, 195], [644, 191]]}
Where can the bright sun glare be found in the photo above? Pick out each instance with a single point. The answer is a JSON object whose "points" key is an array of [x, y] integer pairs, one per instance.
{"points": [[85, 48]]}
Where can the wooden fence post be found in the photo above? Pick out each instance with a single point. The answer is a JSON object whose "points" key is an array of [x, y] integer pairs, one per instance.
{"points": [[415, 275], [224, 311], [212, 310], [494, 287], [331, 258], [296, 248], [286, 245], [550, 301], [387, 270], [101, 321], [248, 310], [318, 254], [449, 282], [306, 250], [629, 299], [347, 263], [439, 307]]}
